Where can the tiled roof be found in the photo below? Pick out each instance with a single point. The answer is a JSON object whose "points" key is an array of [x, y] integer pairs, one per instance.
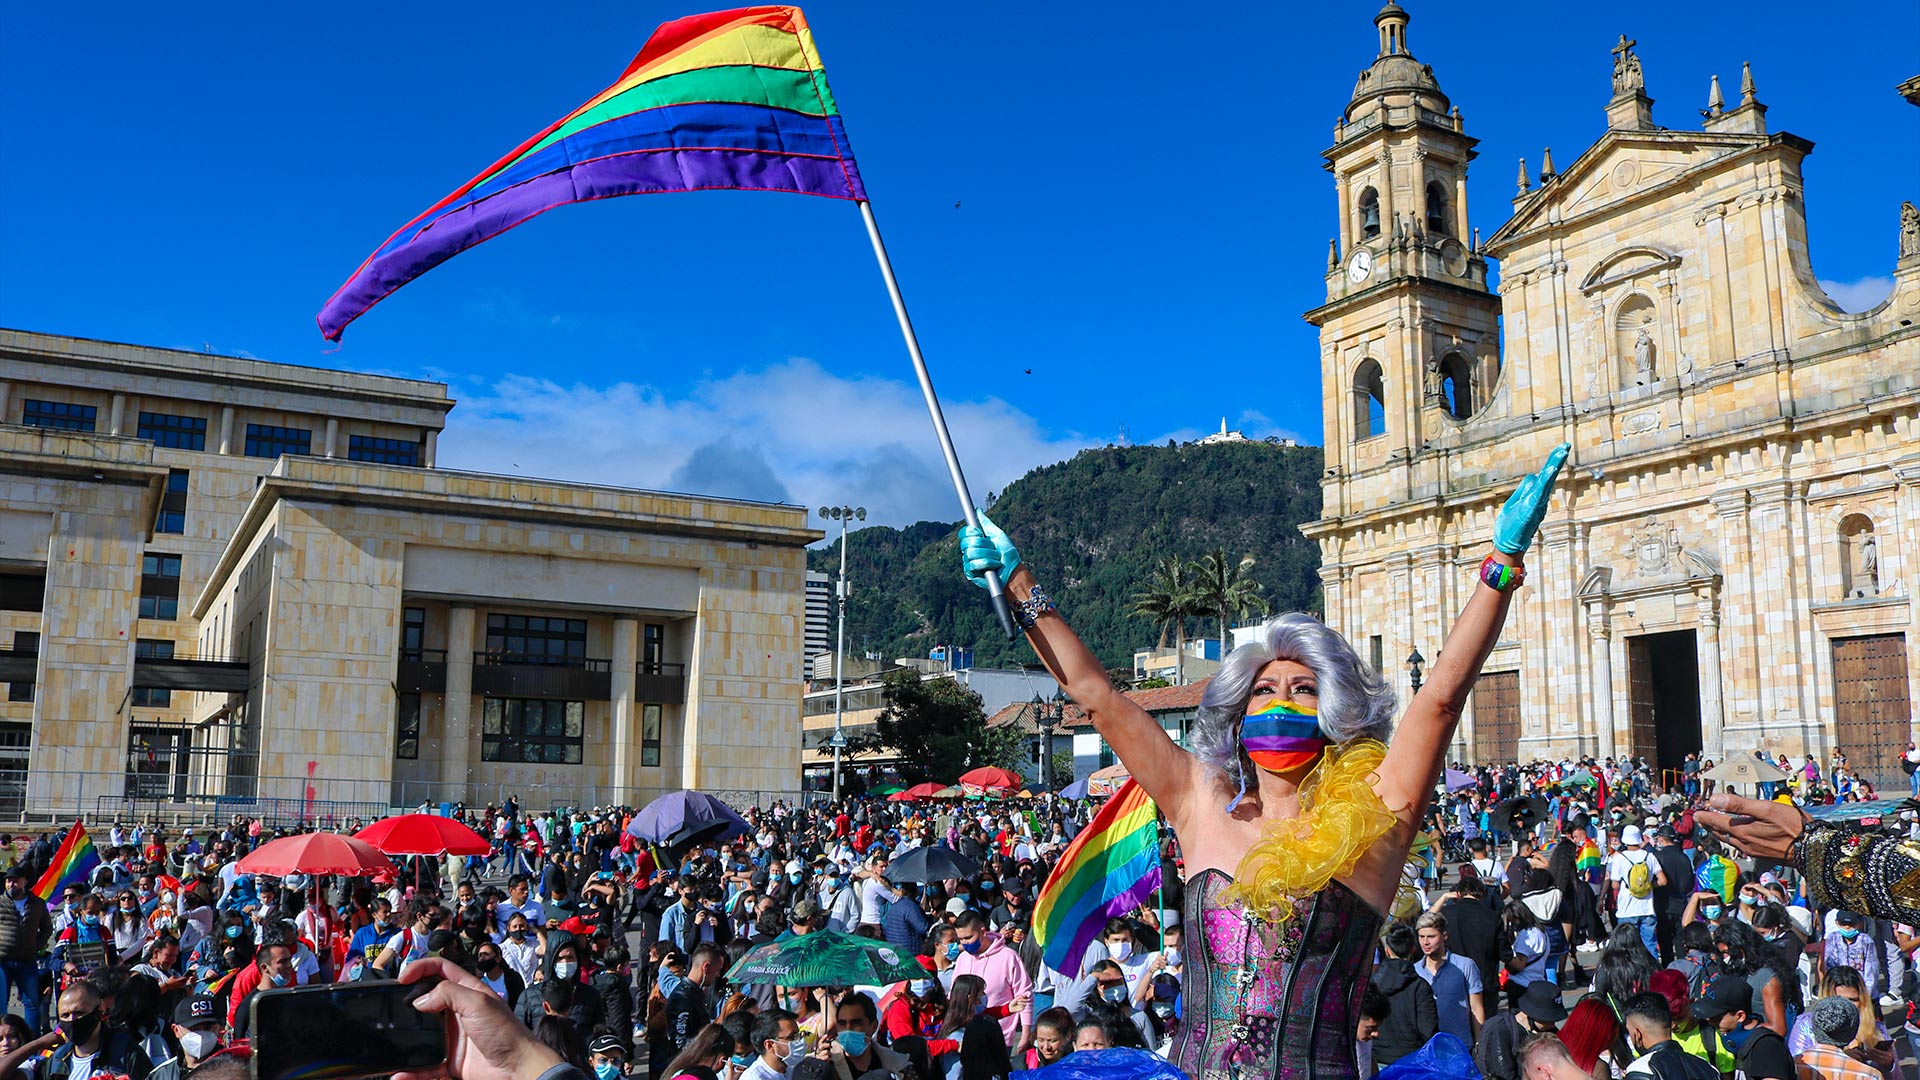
{"points": [[1160, 699]]}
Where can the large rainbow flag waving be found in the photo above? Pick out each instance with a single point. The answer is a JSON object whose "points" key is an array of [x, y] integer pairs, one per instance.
{"points": [[1717, 874], [73, 864], [1108, 870], [727, 100]]}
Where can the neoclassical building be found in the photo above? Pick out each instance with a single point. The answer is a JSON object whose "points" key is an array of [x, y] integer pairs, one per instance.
{"points": [[1730, 560]]}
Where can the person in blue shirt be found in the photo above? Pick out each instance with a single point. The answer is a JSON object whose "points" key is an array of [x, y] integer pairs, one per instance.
{"points": [[1454, 979], [374, 934]]}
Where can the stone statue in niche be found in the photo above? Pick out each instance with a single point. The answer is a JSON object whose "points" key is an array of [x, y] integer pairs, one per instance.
{"points": [[1909, 230], [1866, 567], [1643, 356]]}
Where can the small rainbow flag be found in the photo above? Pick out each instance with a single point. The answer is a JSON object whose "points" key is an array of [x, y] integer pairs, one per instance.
{"points": [[1108, 870], [73, 864], [731, 100], [1589, 857], [1717, 873]]}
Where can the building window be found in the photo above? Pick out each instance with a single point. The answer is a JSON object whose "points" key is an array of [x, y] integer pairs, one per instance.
{"points": [[173, 504], [28, 643], [1439, 223], [1369, 400], [523, 729], [406, 727], [62, 415], [653, 648], [1369, 214], [650, 736], [148, 697], [23, 592], [383, 451], [1456, 386], [1106, 754], [174, 432], [1377, 654], [413, 632], [535, 639], [160, 587], [266, 441]]}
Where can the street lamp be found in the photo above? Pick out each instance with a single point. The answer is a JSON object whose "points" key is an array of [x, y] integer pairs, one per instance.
{"points": [[1414, 663], [1047, 716], [841, 514]]}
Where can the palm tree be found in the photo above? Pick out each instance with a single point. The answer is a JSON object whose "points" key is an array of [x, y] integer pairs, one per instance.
{"points": [[1169, 600], [1226, 588]]}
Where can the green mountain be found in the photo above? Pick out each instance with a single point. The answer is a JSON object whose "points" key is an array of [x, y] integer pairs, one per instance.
{"points": [[1090, 529]]}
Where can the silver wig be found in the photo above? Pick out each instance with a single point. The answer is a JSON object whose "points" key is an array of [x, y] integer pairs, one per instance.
{"points": [[1355, 701]]}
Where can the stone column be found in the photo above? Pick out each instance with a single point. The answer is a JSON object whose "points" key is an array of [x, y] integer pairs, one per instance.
{"points": [[430, 449], [625, 756], [456, 767], [117, 415], [1349, 225], [1600, 648], [1460, 207], [1385, 189], [6, 399], [330, 446], [226, 430], [1713, 721]]}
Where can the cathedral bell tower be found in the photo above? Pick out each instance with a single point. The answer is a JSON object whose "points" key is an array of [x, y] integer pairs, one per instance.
{"points": [[1409, 335]]}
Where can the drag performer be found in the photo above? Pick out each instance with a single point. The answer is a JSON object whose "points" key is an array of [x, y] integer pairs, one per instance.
{"points": [[1293, 813], [1846, 867]]}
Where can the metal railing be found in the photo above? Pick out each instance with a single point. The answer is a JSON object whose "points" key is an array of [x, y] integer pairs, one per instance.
{"points": [[511, 659]]}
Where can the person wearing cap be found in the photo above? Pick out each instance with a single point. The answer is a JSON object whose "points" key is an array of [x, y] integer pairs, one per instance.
{"points": [[1834, 1023], [197, 1028], [1726, 1004], [1538, 1011], [1634, 874], [608, 1057], [25, 928], [1851, 945]]}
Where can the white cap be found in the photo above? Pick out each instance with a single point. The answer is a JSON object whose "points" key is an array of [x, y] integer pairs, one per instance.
{"points": [[1630, 836], [795, 866]]}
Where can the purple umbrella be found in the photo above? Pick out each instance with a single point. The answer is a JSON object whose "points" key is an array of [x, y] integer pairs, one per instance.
{"points": [[684, 817], [1457, 780]]}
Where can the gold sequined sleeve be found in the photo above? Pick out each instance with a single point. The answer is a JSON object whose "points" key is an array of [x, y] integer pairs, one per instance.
{"points": [[1867, 873]]}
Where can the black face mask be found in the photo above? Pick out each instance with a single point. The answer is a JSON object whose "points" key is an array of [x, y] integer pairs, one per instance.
{"points": [[81, 1028]]}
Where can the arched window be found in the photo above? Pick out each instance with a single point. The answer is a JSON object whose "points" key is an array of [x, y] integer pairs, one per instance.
{"points": [[1860, 556], [1456, 385], [1369, 214], [1439, 222], [1369, 400]]}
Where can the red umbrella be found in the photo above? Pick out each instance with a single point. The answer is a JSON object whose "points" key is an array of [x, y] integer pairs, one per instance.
{"points": [[316, 853], [423, 834], [987, 776], [916, 793]]}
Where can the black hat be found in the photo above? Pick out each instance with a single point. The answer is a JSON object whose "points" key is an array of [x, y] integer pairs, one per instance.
{"points": [[17, 870], [605, 1044], [198, 1009], [1722, 995], [1542, 1002]]}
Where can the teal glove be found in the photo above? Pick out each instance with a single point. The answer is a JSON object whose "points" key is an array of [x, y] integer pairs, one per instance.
{"points": [[1520, 518], [986, 548]]}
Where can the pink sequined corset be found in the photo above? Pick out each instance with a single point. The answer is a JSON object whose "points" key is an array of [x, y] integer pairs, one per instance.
{"points": [[1260, 1001]]}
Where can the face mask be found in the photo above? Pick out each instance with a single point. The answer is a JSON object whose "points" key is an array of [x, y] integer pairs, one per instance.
{"points": [[953, 950], [988, 886], [920, 986], [198, 1044], [1119, 950], [971, 946], [146, 893], [488, 963], [737, 1061], [1172, 956], [81, 1028], [1163, 1009], [607, 1070], [795, 878], [1710, 911], [1849, 933], [566, 969], [796, 1053], [277, 980], [853, 1042], [15, 891], [1280, 737], [1114, 994], [517, 935], [1736, 1038], [233, 931]]}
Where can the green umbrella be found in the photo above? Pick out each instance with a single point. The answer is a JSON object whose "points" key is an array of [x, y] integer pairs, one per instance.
{"points": [[889, 789], [1580, 779], [826, 958]]}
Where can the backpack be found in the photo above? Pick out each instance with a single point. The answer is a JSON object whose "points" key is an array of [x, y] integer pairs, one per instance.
{"points": [[1640, 877]]}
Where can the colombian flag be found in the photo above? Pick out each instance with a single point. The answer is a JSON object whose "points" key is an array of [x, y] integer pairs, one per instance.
{"points": [[73, 864]]}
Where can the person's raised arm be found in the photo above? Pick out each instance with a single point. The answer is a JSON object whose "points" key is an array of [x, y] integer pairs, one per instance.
{"points": [[1162, 768], [1419, 746]]}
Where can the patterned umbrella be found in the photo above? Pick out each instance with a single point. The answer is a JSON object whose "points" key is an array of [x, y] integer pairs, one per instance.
{"points": [[826, 958]]}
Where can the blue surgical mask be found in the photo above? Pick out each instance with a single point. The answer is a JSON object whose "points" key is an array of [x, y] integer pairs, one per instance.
{"points": [[853, 1042], [1849, 932], [1115, 994], [953, 950], [1710, 911], [607, 1070], [971, 946]]}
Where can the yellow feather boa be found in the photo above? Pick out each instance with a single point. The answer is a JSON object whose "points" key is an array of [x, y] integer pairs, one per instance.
{"points": [[1340, 818]]}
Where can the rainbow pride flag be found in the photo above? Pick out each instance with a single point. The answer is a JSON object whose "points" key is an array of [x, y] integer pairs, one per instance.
{"points": [[1717, 873], [73, 864], [1108, 870], [732, 100]]}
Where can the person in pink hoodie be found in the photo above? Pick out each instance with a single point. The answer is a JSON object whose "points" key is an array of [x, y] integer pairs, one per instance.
{"points": [[985, 955]]}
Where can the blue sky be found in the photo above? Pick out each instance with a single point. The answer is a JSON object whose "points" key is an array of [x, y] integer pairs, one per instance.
{"points": [[1142, 212]]}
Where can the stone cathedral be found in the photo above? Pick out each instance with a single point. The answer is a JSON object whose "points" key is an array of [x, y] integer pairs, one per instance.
{"points": [[1730, 561]]}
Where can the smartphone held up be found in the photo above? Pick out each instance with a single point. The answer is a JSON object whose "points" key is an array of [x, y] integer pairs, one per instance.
{"points": [[344, 1031]]}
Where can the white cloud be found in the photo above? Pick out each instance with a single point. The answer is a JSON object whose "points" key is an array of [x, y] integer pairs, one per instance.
{"points": [[1859, 295], [792, 430]]}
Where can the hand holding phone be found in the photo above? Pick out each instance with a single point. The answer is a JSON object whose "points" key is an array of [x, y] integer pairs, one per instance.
{"points": [[484, 1041]]}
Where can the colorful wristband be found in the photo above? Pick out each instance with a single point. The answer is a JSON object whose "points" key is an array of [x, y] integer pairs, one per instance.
{"points": [[1500, 577]]}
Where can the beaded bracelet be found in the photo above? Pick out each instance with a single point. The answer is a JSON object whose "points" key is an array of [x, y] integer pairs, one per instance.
{"points": [[1500, 577], [1027, 612]]}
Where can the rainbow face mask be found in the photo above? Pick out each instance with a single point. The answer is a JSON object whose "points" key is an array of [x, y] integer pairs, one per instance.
{"points": [[1281, 737]]}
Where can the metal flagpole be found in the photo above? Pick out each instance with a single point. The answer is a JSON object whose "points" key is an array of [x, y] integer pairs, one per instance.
{"points": [[996, 590]]}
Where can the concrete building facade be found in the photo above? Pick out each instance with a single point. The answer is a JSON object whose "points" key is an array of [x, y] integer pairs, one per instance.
{"points": [[232, 585], [1729, 561]]}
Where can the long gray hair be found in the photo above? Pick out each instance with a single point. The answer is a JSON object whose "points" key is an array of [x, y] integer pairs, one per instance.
{"points": [[1355, 701]]}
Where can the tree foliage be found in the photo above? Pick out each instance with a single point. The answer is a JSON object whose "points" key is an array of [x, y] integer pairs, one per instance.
{"points": [[1091, 529], [1225, 588], [939, 729]]}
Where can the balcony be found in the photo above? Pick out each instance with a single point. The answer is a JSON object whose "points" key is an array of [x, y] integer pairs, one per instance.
{"points": [[660, 684], [531, 675], [186, 671], [421, 671]]}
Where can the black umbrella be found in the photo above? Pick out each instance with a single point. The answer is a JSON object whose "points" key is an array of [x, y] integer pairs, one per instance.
{"points": [[931, 864], [1520, 812]]}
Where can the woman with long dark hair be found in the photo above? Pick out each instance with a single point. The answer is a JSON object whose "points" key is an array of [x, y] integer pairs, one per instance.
{"points": [[983, 1050], [704, 1056], [1775, 984], [1624, 968]]}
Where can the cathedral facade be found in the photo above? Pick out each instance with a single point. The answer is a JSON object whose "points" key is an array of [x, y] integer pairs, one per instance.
{"points": [[1729, 560]]}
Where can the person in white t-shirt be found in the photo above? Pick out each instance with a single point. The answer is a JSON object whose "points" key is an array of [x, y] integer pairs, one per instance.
{"points": [[875, 894], [1635, 873]]}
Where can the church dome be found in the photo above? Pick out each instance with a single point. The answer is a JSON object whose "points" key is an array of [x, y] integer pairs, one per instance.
{"points": [[1395, 69]]}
